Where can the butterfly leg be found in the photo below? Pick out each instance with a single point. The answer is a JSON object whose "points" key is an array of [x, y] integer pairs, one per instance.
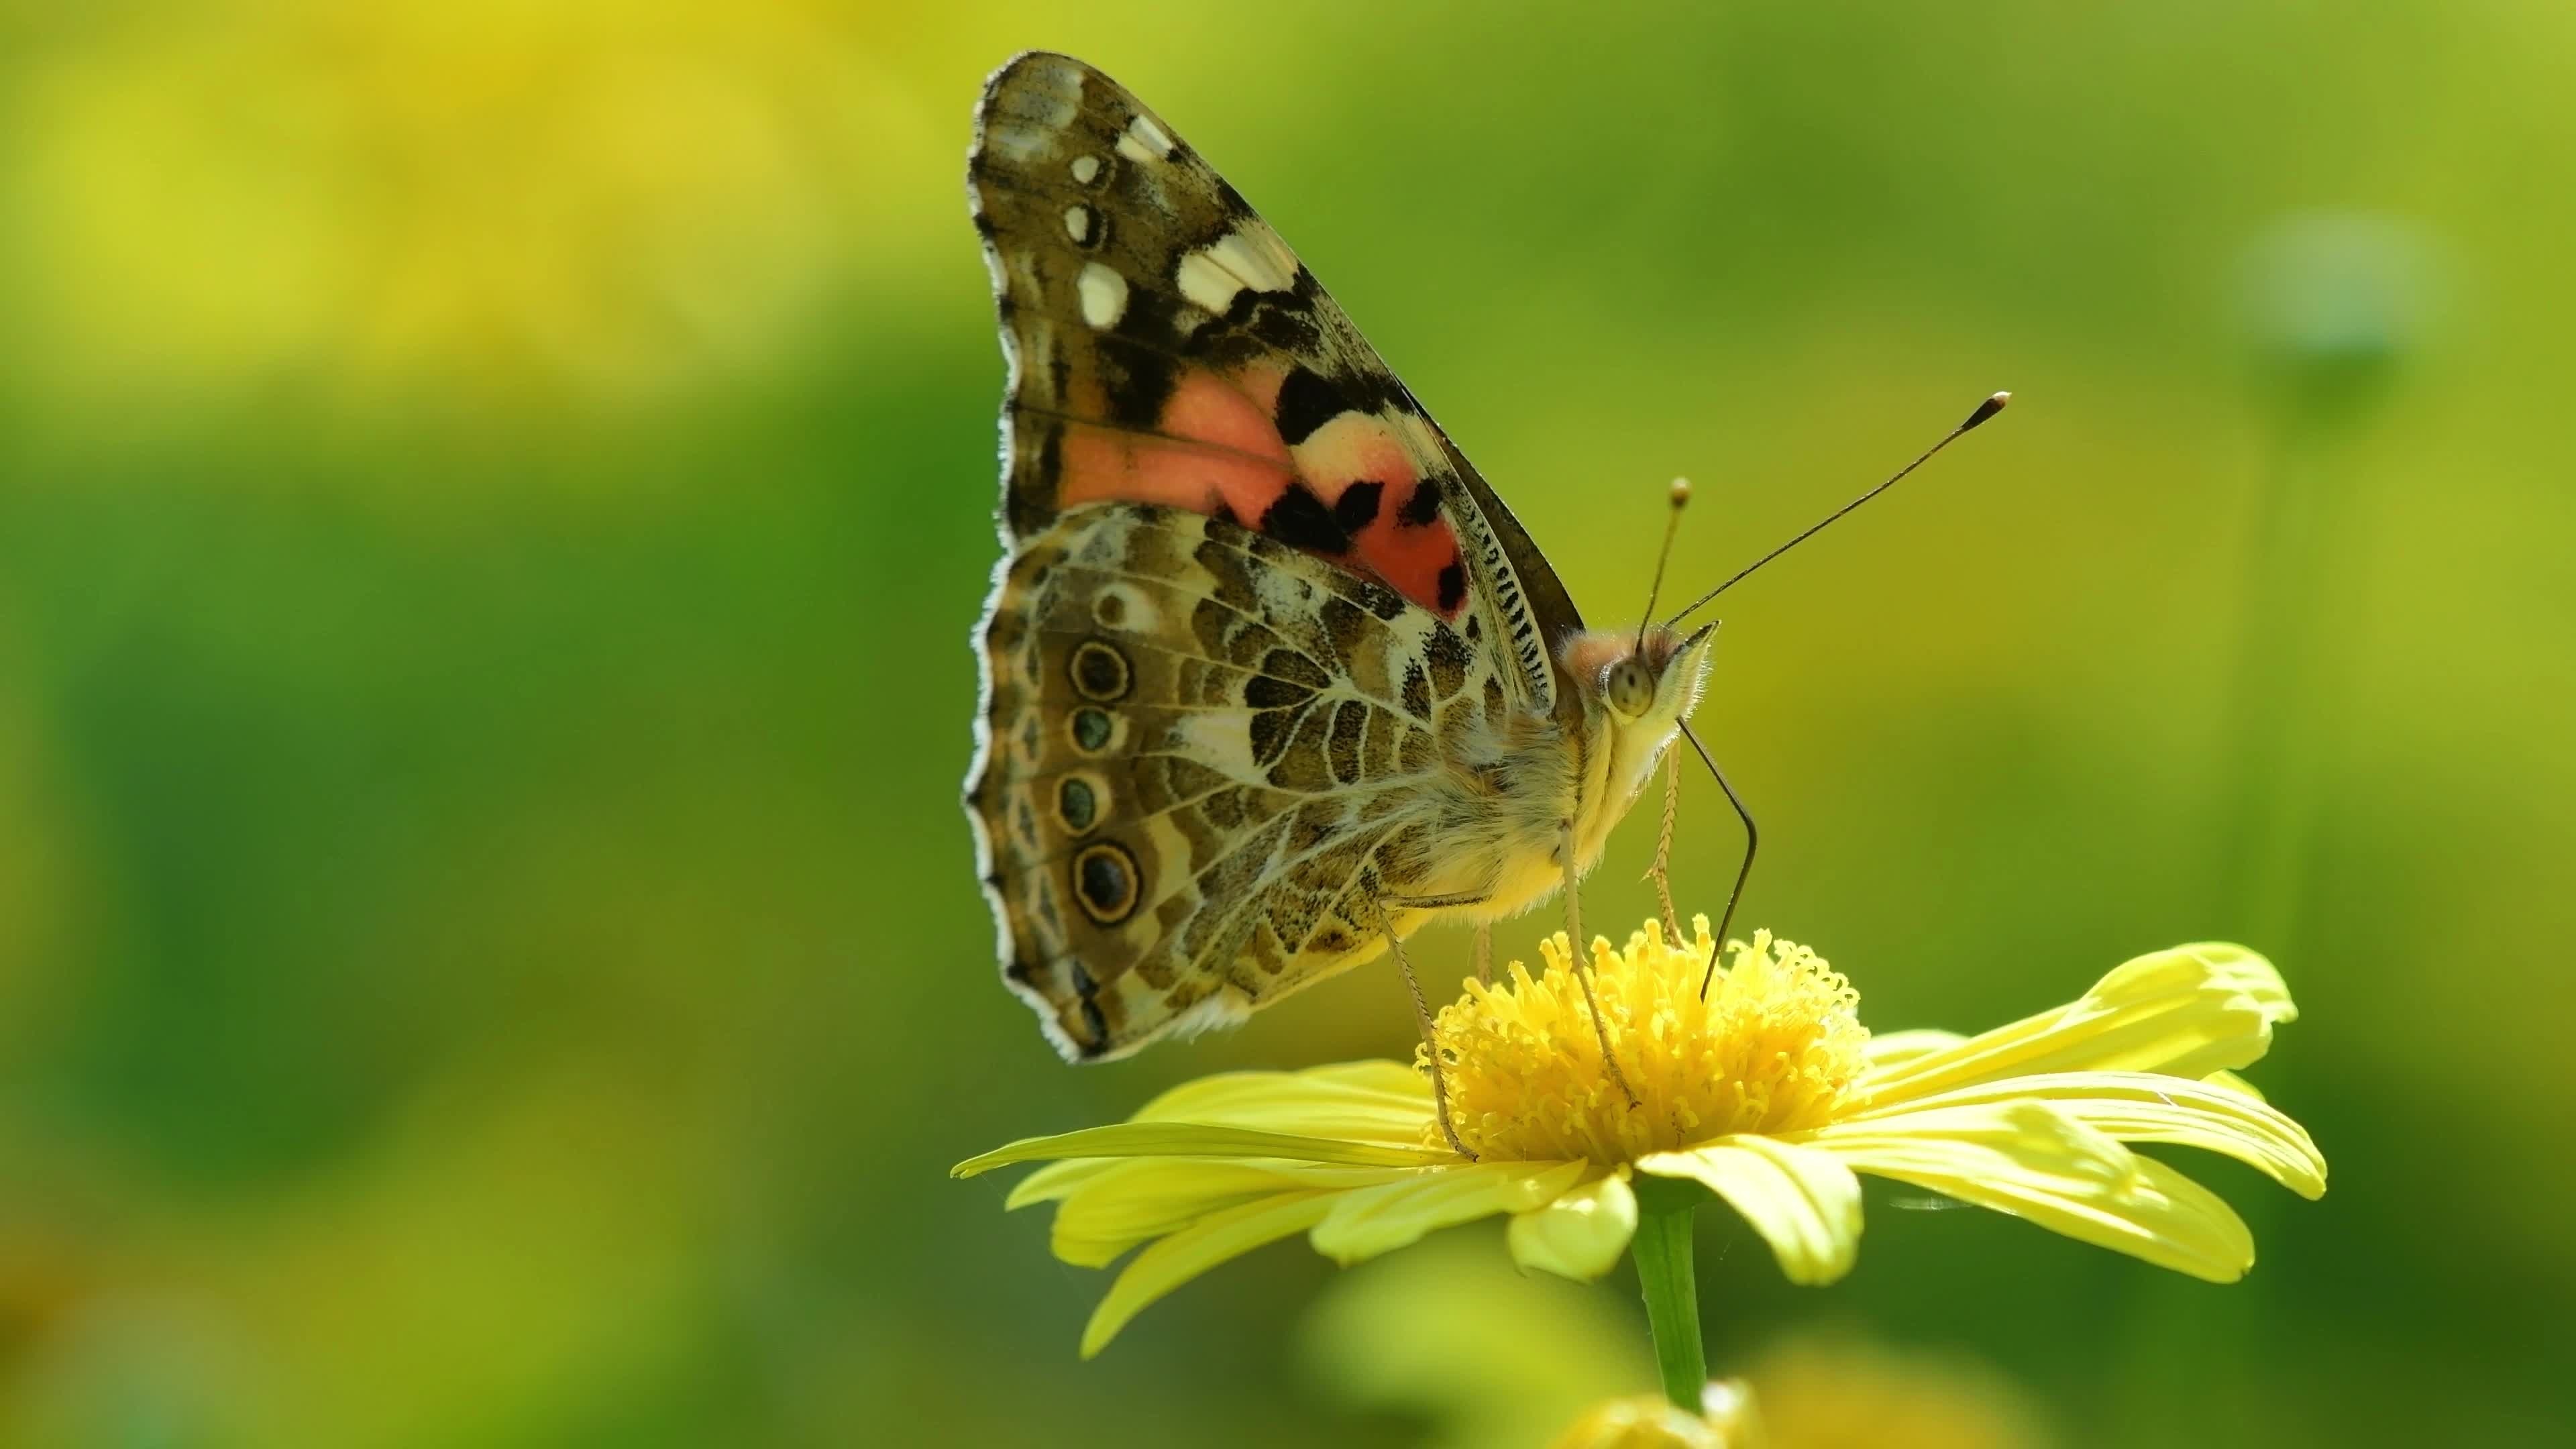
{"points": [[1581, 950], [1484, 953], [1661, 872], [1430, 1033], [1752, 841]]}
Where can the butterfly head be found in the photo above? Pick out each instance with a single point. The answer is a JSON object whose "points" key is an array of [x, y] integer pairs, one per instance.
{"points": [[1637, 689], [1650, 679], [1643, 685]]}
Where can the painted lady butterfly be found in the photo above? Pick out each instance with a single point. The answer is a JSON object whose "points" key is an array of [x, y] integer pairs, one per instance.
{"points": [[1271, 676]]}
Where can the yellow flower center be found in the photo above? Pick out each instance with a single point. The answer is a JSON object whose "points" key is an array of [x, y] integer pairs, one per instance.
{"points": [[1771, 1049]]}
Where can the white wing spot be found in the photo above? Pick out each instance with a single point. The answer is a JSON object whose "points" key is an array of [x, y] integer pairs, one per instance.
{"points": [[1144, 141], [1206, 284], [1104, 296], [1016, 141], [1251, 255], [1086, 169], [1077, 224], [1054, 86]]}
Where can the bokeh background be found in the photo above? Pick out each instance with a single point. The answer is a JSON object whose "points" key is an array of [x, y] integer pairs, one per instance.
{"points": [[492, 500]]}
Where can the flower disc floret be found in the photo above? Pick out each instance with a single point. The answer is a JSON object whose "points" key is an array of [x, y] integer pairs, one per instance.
{"points": [[1774, 1047]]}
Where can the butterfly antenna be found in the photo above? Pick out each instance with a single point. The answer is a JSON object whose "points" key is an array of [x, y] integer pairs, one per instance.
{"points": [[1672, 530], [1985, 410]]}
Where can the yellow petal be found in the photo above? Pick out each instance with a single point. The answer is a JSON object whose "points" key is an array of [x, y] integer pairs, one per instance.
{"points": [[1889, 1048], [1374, 1220], [2035, 1162], [2137, 1107], [1804, 1203], [1058, 1179], [1185, 1255], [1581, 1234], [2235, 1083], [1372, 1101], [2189, 1011], [1140, 1198], [1193, 1139]]}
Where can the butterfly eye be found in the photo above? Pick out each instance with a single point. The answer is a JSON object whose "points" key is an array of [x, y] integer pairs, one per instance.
{"points": [[1630, 688]]}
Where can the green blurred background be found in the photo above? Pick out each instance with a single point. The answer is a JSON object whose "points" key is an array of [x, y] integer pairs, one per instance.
{"points": [[493, 497]]}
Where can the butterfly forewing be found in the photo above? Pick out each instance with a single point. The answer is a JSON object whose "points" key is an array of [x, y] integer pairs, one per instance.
{"points": [[1167, 346], [1260, 621]]}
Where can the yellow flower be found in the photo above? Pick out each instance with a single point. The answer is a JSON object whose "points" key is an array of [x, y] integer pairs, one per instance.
{"points": [[1833, 1391], [1769, 1093], [1647, 1421], [534, 203]]}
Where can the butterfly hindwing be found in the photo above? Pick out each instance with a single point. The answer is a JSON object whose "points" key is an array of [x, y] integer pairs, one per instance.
{"points": [[1209, 760]]}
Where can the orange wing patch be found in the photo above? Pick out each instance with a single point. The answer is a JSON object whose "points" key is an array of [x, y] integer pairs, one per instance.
{"points": [[1349, 489]]}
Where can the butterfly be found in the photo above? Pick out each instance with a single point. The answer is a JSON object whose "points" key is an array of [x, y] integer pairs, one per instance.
{"points": [[1270, 676]]}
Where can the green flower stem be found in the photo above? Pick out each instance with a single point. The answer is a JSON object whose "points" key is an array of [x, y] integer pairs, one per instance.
{"points": [[1662, 1248]]}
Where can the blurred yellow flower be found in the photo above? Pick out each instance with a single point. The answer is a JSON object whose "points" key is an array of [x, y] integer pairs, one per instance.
{"points": [[1768, 1093], [1824, 1393], [1838, 1391], [538, 202], [1725, 1421]]}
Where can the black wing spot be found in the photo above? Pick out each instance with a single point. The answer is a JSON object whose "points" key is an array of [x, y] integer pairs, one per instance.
{"points": [[1269, 734], [1300, 520], [1277, 326], [1307, 401], [1422, 506], [1149, 316], [1104, 879], [1453, 586], [1087, 992], [1099, 672], [1140, 386], [1263, 692], [1357, 507]]}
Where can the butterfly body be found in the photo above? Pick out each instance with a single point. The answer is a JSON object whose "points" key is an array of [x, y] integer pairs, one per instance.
{"points": [[1270, 673]]}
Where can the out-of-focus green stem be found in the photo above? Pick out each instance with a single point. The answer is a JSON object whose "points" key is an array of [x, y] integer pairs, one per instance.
{"points": [[1662, 1248], [2280, 701]]}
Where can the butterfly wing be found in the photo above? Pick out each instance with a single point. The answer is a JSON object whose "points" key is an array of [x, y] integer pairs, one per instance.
{"points": [[1166, 346], [1214, 769], [1258, 616]]}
